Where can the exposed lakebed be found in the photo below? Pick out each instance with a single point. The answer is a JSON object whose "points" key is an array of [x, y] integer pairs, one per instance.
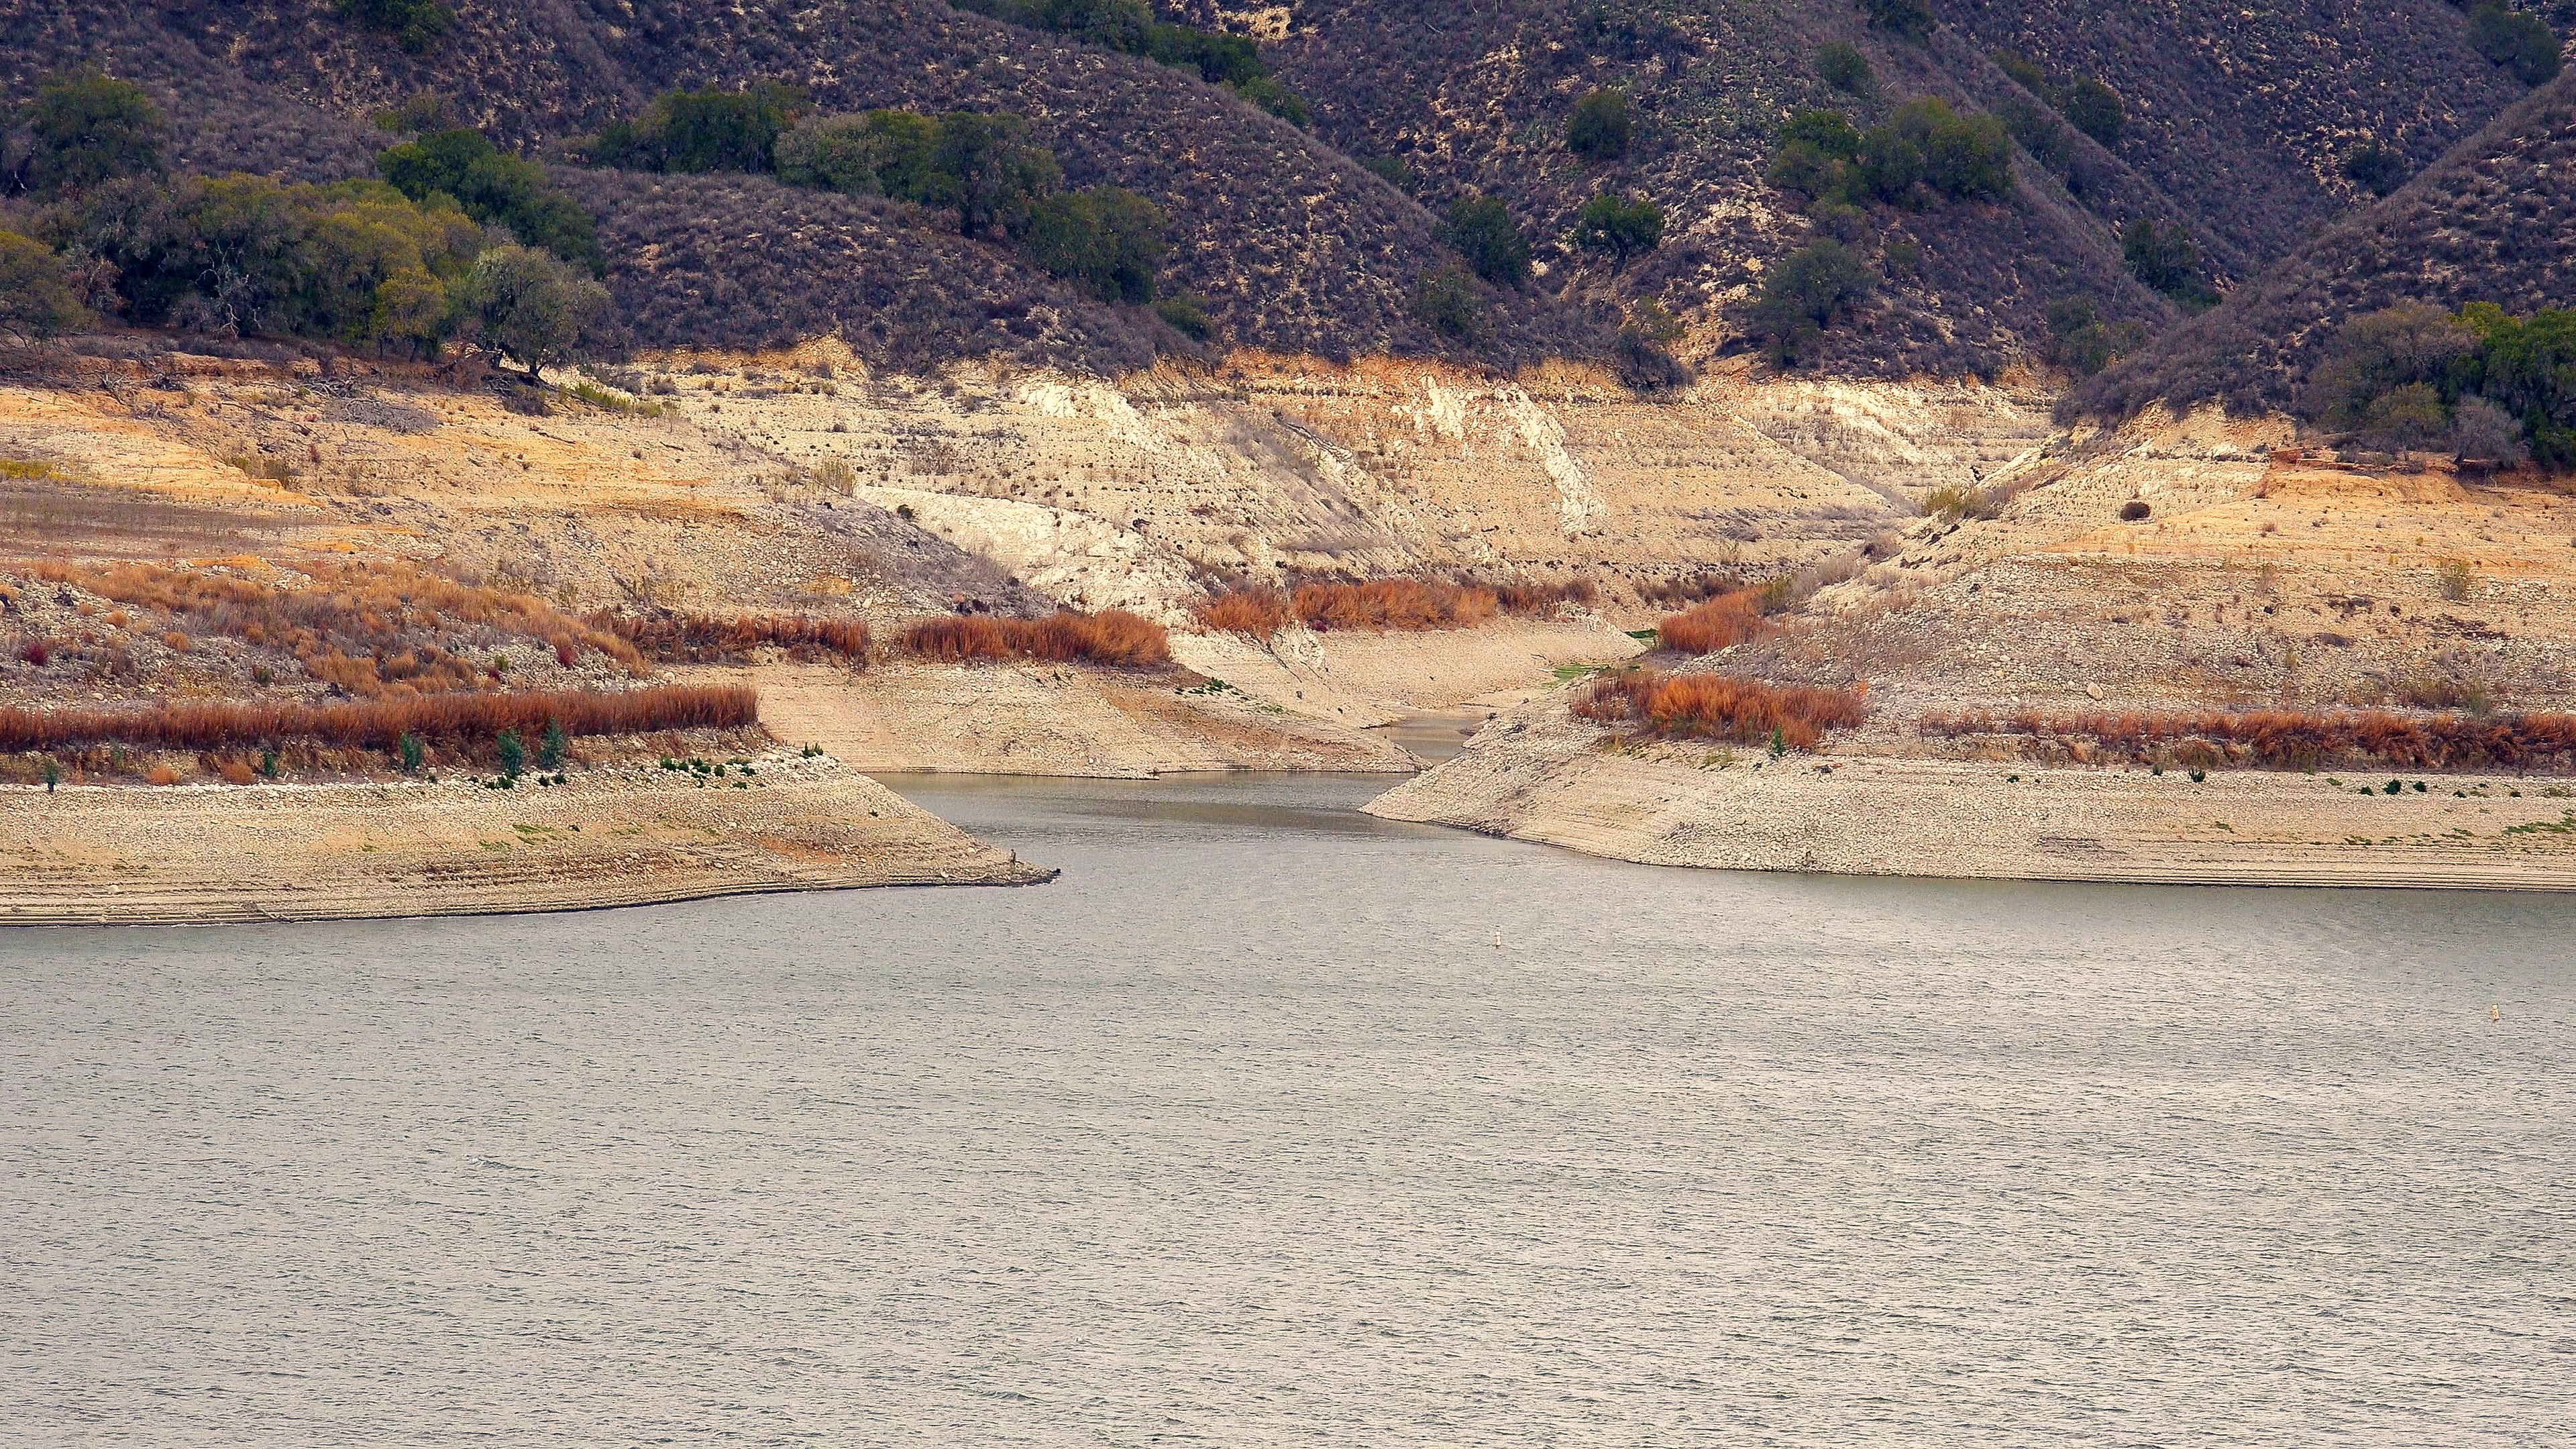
{"points": [[1246, 1130]]}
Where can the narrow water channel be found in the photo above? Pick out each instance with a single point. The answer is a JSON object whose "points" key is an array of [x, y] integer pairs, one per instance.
{"points": [[1245, 1131]]}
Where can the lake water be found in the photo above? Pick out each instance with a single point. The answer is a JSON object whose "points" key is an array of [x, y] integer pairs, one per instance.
{"points": [[1245, 1133]]}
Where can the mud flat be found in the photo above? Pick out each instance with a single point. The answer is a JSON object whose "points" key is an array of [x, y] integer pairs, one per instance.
{"points": [[180, 855], [1865, 815]]}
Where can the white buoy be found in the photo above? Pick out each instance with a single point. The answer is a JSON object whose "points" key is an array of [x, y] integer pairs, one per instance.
{"points": [[2494, 1012], [1498, 940]]}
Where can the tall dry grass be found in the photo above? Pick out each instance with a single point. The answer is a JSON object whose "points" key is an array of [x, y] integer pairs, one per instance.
{"points": [[1112, 636], [709, 639], [1719, 707], [2296, 739], [1729, 619], [1259, 613], [1393, 604], [381, 724]]}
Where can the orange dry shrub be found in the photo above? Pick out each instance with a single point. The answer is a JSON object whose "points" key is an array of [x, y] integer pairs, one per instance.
{"points": [[1112, 636], [1728, 619], [1720, 707], [162, 775], [348, 622], [1257, 612], [1402, 604], [381, 724], [707, 639], [1529, 598], [235, 772], [2285, 739]]}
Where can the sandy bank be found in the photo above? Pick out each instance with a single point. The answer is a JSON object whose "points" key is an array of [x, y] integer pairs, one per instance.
{"points": [[131, 855], [1044, 719], [1673, 805], [1356, 677]]}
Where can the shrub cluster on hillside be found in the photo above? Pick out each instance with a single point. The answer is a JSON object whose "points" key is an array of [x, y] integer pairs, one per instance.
{"points": [[1719, 707], [1925, 153], [2297, 740], [2479, 383], [2087, 102], [1231, 61], [1111, 637], [387, 724]]}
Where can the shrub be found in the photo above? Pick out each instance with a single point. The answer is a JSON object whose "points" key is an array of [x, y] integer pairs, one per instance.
{"points": [[2029, 74], [1597, 128], [1841, 65], [2135, 510], [1806, 292], [2406, 417], [1958, 501], [832, 153], [2163, 256], [2453, 578], [89, 128], [1447, 302], [235, 772], [1259, 613], [1964, 157], [496, 189], [1719, 623], [1107, 239], [514, 755], [2079, 339], [1187, 314], [1481, 229], [1392, 604], [2480, 429], [409, 749], [381, 724], [414, 24], [2297, 740], [999, 171], [2040, 134], [2515, 39], [1911, 19], [709, 130], [2378, 353], [709, 639], [33, 298], [1620, 227], [1720, 707], [1112, 637], [1390, 169], [1266, 93], [2096, 110], [2528, 368], [2375, 168]]}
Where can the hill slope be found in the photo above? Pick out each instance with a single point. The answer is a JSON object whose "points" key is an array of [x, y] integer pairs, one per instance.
{"points": [[2495, 221]]}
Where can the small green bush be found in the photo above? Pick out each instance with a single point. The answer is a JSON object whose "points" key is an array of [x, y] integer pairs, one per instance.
{"points": [[1392, 170], [1620, 227], [415, 25], [514, 755], [2375, 168], [2163, 256], [1597, 129], [33, 297], [2096, 110], [2517, 39], [1840, 64], [550, 752], [1447, 301], [410, 752], [1266, 93], [87, 128], [1186, 314], [1911, 19], [1805, 293], [496, 189], [1107, 239], [1481, 229]]}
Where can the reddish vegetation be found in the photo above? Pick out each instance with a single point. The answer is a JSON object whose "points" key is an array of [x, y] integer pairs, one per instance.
{"points": [[381, 724], [1112, 636], [1719, 707], [366, 628], [1725, 620], [2296, 740], [35, 652], [1400, 604], [705, 639], [1257, 612]]}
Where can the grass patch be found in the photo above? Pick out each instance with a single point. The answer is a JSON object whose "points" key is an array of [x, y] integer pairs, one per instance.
{"points": [[1112, 636]]}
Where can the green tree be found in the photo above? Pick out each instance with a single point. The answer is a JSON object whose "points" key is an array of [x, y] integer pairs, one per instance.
{"points": [[415, 25], [1266, 93], [1806, 292], [1107, 239], [1186, 314], [1219, 59], [1966, 158], [33, 299], [2375, 168], [909, 147], [2378, 352], [408, 747], [998, 173], [2517, 39], [2162, 256], [2040, 133], [1911, 19], [1447, 300], [1481, 229], [550, 752], [834, 153], [1116, 24], [514, 755], [2528, 367], [2030, 75], [494, 188], [2096, 110], [1842, 66], [1597, 129], [532, 308], [89, 128], [1623, 228], [718, 130]]}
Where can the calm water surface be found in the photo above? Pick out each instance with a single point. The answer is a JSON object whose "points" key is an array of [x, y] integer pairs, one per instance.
{"points": [[1245, 1133]]}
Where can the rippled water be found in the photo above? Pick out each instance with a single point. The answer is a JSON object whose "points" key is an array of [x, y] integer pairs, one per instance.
{"points": [[1244, 1132]]}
